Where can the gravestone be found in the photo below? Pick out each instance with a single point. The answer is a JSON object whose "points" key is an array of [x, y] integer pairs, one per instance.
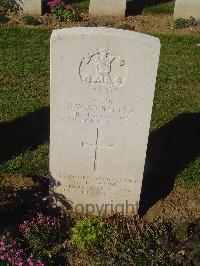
{"points": [[29, 7], [114, 8], [102, 89], [186, 9]]}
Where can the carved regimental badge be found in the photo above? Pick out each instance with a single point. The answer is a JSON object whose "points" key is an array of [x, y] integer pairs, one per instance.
{"points": [[103, 71]]}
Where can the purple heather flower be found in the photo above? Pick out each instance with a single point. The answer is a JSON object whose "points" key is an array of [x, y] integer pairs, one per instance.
{"points": [[54, 3], [10, 252]]}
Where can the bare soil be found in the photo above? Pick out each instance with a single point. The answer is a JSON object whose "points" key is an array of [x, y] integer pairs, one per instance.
{"points": [[182, 205]]}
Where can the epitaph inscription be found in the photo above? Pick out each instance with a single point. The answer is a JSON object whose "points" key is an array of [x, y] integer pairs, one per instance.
{"points": [[103, 185], [103, 71]]}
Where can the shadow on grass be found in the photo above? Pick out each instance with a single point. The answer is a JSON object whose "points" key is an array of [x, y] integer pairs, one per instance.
{"points": [[170, 149], [24, 133], [135, 7], [16, 203], [17, 136]]}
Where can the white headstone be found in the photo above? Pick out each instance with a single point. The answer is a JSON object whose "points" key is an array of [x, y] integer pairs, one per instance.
{"points": [[102, 89], [187, 8], [100, 8], [30, 7]]}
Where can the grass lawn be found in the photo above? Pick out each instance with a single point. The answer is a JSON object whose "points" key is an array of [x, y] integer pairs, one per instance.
{"points": [[81, 5], [24, 105], [162, 7]]}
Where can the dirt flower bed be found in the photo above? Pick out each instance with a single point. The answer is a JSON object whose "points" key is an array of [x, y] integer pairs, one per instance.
{"points": [[41, 234], [147, 23]]}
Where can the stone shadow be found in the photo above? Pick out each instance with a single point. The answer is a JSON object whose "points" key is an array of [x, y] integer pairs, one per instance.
{"points": [[45, 6], [57, 198], [170, 149], [14, 5], [16, 203], [24, 133], [135, 7]]}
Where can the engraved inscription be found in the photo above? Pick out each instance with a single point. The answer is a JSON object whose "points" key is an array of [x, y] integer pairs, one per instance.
{"points": [[101, 185], [101, 112], [103, 71], [97, 146]]}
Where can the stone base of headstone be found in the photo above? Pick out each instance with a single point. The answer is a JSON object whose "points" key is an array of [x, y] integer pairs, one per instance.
{"points": [[186, 9], [113, 8]]}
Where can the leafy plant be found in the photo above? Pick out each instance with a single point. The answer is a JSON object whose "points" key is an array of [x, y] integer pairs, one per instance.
{"points": [[108, 22], [2, 3], [182, 231], [181, 23], [30, 20], [125, 26], [87, 231], [3, 13]]}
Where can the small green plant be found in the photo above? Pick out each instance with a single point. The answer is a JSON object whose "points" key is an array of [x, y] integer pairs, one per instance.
{"points": [[181, 23], [125, 26], [60, 12], [3, 18], [87, 231], [3, 13], [108, 22], [182, 231], [91, 24], [30, 20], [2, 3]]}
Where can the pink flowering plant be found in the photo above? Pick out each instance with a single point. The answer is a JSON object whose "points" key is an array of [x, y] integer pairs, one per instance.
{"points": [[11, 253], [62, 11], [45, 236]]}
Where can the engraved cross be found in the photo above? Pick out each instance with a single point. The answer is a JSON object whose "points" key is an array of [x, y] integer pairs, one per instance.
{"points": [[97, 146]]}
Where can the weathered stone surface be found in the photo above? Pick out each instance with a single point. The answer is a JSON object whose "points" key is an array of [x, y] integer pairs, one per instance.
{"points": [[30, 7], [102, 88], [114, 8], [187, 8]]}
